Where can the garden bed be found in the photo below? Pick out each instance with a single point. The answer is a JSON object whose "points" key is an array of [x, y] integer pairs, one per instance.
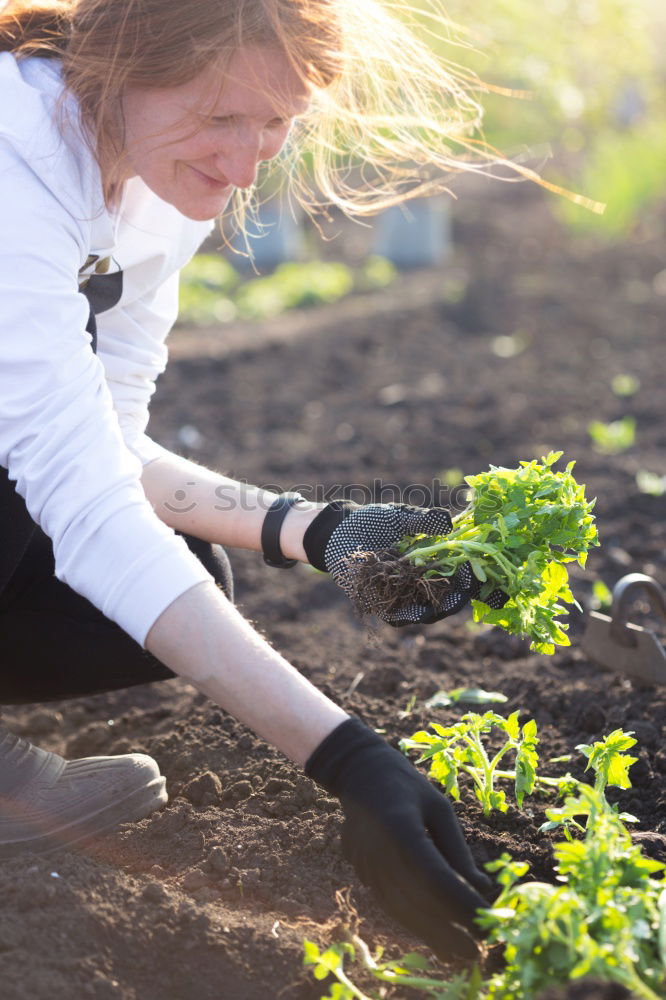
{"points": [[511, 358]]}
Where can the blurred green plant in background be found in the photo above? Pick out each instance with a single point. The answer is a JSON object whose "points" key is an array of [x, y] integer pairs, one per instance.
{"points": [[207, 284], [625, 384], [612, 438], [651, 483], [594, 83], [212, 291]]}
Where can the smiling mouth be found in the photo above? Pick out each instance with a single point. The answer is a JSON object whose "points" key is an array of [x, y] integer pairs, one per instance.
{"points": [[211, 182]]}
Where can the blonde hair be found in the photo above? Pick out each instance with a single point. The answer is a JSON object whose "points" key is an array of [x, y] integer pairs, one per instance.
{"points": [[390, 117]]}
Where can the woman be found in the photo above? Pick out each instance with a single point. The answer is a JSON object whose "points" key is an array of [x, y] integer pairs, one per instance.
{"points": [[127, 127]]}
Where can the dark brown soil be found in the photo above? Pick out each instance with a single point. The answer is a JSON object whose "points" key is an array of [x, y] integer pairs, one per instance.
{"points": [[212, 897]]}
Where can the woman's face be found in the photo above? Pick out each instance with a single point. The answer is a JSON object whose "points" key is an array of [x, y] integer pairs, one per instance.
{"points": [[194, 163]]}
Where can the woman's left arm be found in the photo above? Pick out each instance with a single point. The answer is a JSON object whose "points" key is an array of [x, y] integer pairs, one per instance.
{"points": [[197, 501]]}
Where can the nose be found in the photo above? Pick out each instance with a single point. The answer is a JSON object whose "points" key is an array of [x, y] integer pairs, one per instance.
{"points": [[240, 160]]}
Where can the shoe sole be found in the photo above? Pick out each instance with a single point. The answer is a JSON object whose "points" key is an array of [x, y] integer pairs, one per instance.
{"points": [[135, 806]]}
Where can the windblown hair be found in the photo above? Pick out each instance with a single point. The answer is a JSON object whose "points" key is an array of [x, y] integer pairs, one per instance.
{"points": [[390, 117]]}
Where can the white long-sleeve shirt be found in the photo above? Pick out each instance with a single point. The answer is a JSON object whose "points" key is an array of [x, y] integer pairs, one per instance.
{"points": [[72, 423]]}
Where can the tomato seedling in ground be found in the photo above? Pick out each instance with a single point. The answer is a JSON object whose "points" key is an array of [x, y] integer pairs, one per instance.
{"points": [[460, 749], [611, 767], [604, 919]]}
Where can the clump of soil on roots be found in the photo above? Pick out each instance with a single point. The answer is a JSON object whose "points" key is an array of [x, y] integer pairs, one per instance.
{"points": [[385, 581]]}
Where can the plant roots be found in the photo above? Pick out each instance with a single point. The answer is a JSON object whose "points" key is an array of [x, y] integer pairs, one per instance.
{"points": [[383, 582]]}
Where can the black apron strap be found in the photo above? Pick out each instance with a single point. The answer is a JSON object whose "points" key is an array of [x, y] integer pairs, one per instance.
{"points": [[16, 525], [91, 328]]}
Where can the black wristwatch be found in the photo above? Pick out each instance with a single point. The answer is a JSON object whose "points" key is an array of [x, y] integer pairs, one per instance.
{"points": [[270, 530]]}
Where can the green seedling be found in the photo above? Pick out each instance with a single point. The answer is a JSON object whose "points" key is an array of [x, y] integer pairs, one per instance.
{"points": [[612, 438], [625, 385], [411, 970], [510, 346], [650, 483], [465, 696], [451, 477], [608, 760], [294, 285], [602, 596], [212, 291], [207, 286], [521, 529], [459, 749], [529, 523], [376, 272], [519, 532], [409, 708], [611, 767], [603, 919]]}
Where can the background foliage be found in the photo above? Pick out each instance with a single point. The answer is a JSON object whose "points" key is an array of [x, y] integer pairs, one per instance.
{"points": [[594, 82]]}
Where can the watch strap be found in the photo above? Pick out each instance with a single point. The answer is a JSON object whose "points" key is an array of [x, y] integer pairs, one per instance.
{"points": [[270, 530]]}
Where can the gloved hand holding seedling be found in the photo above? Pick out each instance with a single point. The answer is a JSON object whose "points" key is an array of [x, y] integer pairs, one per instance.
{"points": [[511, 545], [345, 536]]}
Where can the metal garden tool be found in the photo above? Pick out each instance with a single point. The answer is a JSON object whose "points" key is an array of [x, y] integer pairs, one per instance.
{"points": [[616, 644]]}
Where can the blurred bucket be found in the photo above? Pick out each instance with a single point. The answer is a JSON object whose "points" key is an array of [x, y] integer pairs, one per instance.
{"points": [[417, 234], [274, 238]]}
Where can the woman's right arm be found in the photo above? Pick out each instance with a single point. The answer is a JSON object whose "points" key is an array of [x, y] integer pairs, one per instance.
{"points": [[203, 637], [400, 834]]}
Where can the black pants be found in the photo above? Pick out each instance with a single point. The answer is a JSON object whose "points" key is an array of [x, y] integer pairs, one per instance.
{"points": [[55, 644]]}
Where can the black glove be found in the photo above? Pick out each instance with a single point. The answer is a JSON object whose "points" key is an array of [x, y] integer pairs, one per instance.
{"points": [[343, 528], [403, 838]]}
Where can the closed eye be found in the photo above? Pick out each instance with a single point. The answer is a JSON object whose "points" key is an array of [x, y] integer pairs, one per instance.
{"points": [[231, 120]]}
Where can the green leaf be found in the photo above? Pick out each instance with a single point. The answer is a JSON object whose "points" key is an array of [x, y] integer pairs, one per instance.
{"points": [[527, 761], [543, 647], [493, 800], [662, 927], [560, 638], [629, 818], [476, 696], [607, 759], [618, 770], [479, 610], [414, 960], [530, 731], [478, 570], [550, 825], [444, 769], [311, 952], [603, 597], [512, 725], [555, 578], [438, 700]]}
